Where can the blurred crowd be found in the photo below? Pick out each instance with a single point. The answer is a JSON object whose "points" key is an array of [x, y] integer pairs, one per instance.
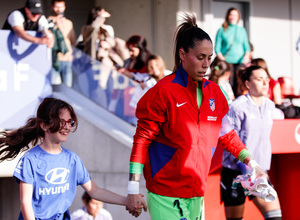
{"points": [[132, 57]]}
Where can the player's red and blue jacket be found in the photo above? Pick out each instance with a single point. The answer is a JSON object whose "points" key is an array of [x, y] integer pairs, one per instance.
{"points": [[174, 139]]}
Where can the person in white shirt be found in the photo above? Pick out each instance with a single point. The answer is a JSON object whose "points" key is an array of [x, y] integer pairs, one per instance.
{"points": [[30, 17], [92, 210]]}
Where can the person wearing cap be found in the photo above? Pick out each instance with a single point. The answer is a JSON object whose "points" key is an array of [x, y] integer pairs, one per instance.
{"points": [[63, 31], [30, 17]]}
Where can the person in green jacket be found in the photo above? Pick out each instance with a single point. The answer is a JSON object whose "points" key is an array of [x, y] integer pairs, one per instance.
{"points": [[232, 45]]}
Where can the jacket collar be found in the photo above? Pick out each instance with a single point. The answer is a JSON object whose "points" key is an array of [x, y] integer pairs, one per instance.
{"points": [[182, 78]]}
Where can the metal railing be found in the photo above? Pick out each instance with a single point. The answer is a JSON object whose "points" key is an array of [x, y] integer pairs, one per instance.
{"points": [[103, 85]]}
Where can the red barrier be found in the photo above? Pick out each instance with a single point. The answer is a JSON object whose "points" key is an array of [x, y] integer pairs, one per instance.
{"points": [[284, 174]]}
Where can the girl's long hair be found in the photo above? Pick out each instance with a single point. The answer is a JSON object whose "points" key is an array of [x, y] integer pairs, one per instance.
{"points": [[141, 43], [160, 63], [186, 36], [16, 141], [217, 69]]}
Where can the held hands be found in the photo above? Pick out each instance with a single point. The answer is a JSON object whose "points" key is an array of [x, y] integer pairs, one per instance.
{"points": [[135, 204]]}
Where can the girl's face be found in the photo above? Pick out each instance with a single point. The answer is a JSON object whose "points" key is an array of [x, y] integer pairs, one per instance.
{"points": [[258, 84], [233, 17], [65, 128], [133, 51], [197, 60], [153, 68]]}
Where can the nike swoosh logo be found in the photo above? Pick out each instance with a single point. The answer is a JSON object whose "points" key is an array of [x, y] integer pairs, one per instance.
{"points": [[178, 105]]}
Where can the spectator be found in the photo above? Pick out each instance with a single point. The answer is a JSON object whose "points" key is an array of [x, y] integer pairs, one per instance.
{"points": [[157, 70], [90, 32], [62, 52], [174, 138], [48, 174], [139, 54], [135, 68], [30, 17], [232, 45], [93, 209], [251, 116], [220, 73], [274, 92], [99, 41], [156, 67]]}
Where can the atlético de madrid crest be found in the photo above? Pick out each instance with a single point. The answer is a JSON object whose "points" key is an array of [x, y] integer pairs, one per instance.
{"points": [[212, 104]]}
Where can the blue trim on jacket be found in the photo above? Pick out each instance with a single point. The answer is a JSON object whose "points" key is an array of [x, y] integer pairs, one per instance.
{"points": [[181, 77], [159, 154]]}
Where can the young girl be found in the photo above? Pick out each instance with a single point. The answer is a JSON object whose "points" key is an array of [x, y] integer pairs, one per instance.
{"points": [[157, 70], [48, 174], [220, 73]]}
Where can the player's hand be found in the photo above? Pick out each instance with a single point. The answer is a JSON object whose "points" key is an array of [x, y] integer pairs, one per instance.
{"points": [[135, 204], [256, 171]]}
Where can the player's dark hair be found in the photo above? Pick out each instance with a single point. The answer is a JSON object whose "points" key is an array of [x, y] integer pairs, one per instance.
{"points": [[186, 36], [15, 141], [247, 73]]}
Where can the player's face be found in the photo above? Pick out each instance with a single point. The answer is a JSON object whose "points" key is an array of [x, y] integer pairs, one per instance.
{"points": [[197, 60], [258, 84], [93, 207], [58, 8]]}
